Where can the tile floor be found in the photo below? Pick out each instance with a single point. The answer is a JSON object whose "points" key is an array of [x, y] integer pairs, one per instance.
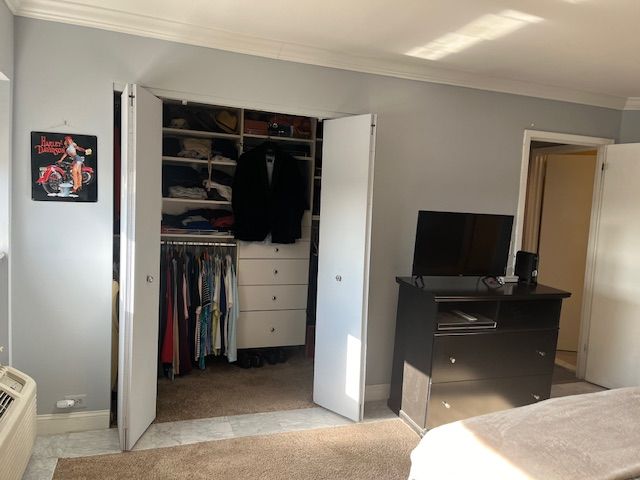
{"points": [[51, 447]]}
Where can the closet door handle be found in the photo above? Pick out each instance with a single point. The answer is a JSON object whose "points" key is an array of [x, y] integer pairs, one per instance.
{"points": [[536, 397], [273, 329], [446, 405], [338, 278], [541, 353], [274, 298], [276, 249], [452, 360], [149, 278], [275, 271]]}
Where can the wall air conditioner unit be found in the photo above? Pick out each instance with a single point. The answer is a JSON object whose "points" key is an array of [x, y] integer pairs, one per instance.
{"points": [[17, 422]]}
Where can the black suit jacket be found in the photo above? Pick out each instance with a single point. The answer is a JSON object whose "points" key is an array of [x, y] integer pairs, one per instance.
{"points": [[260, 208]]}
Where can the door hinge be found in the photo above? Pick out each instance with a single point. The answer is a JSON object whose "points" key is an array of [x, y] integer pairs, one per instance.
{"points": [[604, 166], [131, 97], [373, 126]]}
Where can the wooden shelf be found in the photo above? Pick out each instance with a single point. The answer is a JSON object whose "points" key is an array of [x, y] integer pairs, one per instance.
{"points": [[199, 133], [300, 157], [227, 163], [195, 201], [276, 138]]}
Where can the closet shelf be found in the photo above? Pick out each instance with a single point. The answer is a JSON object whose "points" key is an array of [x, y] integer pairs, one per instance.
{"points": [[276, 138], [300, 157], [195, 201], [228, 163], [199, 133], [200, 236]]}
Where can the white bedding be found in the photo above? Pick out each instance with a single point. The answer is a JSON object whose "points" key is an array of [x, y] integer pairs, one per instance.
{"points": [[581, 437]]}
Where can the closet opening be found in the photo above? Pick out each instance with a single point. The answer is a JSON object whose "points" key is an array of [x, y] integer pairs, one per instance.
{"points": [[236, 318]]}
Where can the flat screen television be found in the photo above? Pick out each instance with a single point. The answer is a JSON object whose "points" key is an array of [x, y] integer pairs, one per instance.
{"points": [[461, 244]]}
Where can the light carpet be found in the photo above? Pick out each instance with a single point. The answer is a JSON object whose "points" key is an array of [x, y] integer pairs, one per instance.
{"points": [[223, 390], [365, 451]]}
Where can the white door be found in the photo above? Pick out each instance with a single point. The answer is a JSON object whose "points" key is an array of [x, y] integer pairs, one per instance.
{"points": [[343, 264], [141, 210], [613, 356]]}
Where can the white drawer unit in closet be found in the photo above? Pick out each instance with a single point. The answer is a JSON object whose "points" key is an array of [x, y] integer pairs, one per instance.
{"points": [[273, 272], [260, 250], [277, 328], [273, 297]]}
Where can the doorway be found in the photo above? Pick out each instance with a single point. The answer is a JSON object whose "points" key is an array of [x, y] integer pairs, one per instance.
{"points": [[557, 214], [338, 366]]}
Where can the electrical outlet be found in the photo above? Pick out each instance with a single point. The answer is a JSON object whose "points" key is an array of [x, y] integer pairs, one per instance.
{"points": [[80, 400]]}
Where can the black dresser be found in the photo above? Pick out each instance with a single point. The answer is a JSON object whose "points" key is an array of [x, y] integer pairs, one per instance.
{"points": [[447, 367]]}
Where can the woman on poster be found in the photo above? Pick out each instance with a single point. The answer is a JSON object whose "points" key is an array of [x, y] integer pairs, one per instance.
{"points": [[71, 151]]}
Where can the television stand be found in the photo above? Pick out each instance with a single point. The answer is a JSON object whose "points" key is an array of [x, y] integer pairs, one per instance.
{"points": [[447, 367]]}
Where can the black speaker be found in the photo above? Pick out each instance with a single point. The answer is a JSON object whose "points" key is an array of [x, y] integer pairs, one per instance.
{"points": [[527, 267]]}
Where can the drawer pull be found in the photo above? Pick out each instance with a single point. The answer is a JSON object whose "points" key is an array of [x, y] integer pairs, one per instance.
{"points": [[452, 359], [445, 404], [338, 278], [541, 353], [274, 298], [275, 271], [273, 329], [536, 397]]}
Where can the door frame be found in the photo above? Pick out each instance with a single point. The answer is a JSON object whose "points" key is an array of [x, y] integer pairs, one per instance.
{"points": [[118, 87], [583, 141], [5, 216]]}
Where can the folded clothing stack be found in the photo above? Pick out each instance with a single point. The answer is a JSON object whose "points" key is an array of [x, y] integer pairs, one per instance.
{"points": [[199, 148], [194, 193], [198, 220], [183, 181]]}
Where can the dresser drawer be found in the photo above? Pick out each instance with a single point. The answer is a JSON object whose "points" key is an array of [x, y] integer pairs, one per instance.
{"points": [[272, 297], [454, 401], [273, 272], [492, 355], [260, 250], [271, 329]]}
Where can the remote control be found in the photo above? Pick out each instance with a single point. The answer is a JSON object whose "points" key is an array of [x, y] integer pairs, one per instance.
{"points": [[466, 316]]}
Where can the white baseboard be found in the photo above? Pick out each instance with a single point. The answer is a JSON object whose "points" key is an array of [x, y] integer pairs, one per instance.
{"points": [[72, 422], [373, 393]]}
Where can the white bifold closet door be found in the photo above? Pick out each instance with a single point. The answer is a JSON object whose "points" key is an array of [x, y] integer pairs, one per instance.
{"points": [[343, 264], [141, 211], [613, 355]]}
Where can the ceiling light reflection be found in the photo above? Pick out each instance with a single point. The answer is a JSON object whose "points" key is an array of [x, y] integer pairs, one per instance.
{"points": [[487, 27]]}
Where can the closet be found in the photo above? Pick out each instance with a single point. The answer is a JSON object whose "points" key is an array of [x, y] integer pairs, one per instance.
{"points": [[179, 160]]}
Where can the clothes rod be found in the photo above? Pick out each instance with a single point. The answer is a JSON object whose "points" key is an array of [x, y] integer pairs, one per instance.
{"points": [[203, 244]]}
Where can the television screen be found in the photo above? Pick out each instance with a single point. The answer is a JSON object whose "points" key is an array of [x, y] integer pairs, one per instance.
{"points": [[470, 244]]}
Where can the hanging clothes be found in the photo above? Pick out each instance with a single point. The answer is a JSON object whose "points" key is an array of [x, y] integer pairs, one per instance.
{"points": [[263, 205], [198, 288]]}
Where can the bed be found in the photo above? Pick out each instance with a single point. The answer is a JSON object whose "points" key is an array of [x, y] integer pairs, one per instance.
{"points": [[581, 437]]}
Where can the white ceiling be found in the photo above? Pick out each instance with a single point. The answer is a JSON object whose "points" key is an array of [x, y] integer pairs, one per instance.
{"points": [[585, 51]]}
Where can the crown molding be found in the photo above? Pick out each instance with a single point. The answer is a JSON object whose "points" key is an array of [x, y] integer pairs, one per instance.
{"points": [[633, 103], [104, 18], [13, 5]]}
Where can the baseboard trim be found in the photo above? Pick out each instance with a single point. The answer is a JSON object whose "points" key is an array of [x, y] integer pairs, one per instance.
{"points": [[72, 422], [373, 393]]}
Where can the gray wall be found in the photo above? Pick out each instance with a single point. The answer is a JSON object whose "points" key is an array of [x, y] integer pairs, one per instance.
{"points": [[6, 67], [630, 126], [439, 147]]}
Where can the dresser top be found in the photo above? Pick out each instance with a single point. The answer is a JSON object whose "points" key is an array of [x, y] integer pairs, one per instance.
{"points": [[458, 289]]}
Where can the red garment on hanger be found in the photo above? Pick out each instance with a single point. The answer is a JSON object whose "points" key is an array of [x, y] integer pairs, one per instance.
{"points": [[167, 343]]}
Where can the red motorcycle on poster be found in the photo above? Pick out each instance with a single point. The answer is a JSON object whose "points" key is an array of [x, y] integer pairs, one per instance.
{"points": [[60, 167]]}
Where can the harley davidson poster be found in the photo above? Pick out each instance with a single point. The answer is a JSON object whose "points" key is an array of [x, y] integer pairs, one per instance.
{"points": [[64, 167]]}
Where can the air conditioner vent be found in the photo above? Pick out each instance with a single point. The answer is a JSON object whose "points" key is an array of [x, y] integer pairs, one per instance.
{"points": [[5, 402]]}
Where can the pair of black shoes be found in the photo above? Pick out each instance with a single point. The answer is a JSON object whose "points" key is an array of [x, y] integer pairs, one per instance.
{"points": [[257, 358]]}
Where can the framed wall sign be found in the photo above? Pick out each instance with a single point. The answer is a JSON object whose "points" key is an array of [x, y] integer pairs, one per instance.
{"points": [[64, 167]]}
